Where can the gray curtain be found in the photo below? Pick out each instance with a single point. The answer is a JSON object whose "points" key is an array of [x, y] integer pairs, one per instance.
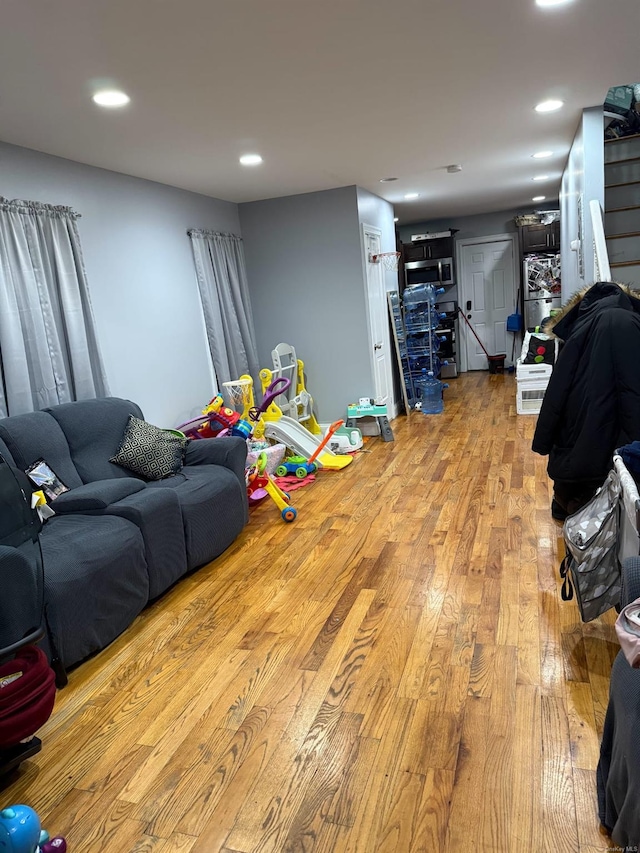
{"points": [[222, 281], [48, 348]]}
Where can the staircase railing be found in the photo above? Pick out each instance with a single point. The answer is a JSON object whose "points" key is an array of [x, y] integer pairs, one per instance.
{"points": [[601, 255]]}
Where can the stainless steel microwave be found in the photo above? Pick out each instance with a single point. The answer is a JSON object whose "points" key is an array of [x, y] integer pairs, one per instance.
{"points": [[429, 272]]}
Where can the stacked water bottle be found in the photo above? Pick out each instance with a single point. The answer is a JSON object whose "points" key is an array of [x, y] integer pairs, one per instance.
{"points": [[421, 321], [430, 390]]}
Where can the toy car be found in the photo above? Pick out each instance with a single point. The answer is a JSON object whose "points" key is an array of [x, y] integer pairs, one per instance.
{"points": [[297, 465]]}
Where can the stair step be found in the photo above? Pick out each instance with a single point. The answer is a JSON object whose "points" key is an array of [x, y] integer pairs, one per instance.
{"points": [[621, 139], [622, 172], [624, 159], [627, 272], [622, 184], [621, 209], [617, 150], [623, 236], [626, 195], [624, 249], [622, 220]]}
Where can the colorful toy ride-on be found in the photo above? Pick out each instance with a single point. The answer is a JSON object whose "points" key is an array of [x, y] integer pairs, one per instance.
{"points": [[296, 465], [217, 420], [20, 832], [261, 485]]}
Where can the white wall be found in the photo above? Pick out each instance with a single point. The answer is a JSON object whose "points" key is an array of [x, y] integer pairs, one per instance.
{"points": [[373, 210], [582, 181], [304, 264], [140, 271]]}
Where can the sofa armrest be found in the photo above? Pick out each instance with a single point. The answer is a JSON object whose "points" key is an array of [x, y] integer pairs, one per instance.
{"points": [[630, 580], [228, 451], [97, 495], [21, 606]]}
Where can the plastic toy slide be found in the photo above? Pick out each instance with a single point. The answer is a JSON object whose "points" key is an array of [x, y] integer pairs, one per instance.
{"points": [[288, 431]]}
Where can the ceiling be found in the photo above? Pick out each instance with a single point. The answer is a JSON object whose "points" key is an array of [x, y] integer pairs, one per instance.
{"points": [[330, 92]]}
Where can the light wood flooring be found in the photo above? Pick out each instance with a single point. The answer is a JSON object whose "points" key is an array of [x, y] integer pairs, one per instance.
{"points": [[394, 671]]}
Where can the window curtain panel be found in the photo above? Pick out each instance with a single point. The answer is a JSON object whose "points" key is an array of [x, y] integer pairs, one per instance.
{"points": [[49, 353], [222, 281]]}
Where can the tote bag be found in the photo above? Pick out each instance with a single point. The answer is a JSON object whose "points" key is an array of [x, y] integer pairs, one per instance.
{"points": [[591, 567]]}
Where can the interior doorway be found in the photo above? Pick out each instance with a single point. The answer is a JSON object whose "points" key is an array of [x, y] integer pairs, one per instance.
{"points": [[378, 318], [487, 287]]}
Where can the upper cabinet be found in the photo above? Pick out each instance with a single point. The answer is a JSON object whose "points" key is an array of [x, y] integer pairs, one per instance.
{"points": [[541, 238], [429, 250]]}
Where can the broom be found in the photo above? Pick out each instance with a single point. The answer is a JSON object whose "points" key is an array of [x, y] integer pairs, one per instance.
{"points": [[496, 362]]}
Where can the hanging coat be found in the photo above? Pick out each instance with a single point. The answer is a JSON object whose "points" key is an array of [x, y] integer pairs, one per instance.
{"points": [[592, 403]]}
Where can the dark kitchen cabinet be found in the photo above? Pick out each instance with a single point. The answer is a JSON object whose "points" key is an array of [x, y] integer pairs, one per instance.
{"points": [[541, 238], [429, 250]]}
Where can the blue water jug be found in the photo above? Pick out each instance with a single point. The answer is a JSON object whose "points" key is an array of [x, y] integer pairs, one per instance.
{"points": [[431, 392]]}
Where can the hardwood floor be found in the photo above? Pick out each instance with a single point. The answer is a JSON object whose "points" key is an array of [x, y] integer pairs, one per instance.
{"points": [[394, 671]]}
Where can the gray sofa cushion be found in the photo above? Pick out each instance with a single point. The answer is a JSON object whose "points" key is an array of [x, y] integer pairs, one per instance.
{"points": [[37, 435], [98, 495], [94, 430], [214, 506], [230, 451], [96, 581], [157, 515]]}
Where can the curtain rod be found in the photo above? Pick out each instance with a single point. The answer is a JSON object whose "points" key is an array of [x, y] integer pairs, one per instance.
{"points": [[39, 208], [202, 232]]}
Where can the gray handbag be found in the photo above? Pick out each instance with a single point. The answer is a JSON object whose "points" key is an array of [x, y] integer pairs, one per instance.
{"points": [[591, 567]]}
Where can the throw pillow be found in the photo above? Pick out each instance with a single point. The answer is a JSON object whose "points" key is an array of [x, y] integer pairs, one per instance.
{"points": [[149, 451], [541, 351]]}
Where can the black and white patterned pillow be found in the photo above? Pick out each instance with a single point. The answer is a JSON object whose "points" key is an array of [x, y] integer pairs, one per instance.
{"points": [[147, 450]]}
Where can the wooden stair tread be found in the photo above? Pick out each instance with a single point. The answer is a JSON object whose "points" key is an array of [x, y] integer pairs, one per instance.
{"points": [[622, 236], [623, 184], [622, 160], [621, 209], [625, 263], [622, 139]]}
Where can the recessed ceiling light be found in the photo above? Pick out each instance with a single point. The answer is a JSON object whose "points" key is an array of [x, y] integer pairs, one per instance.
{"points": [[395, 218], [387, 180], [541, 178], [111, 98], [251, 159], [410, 196], [542, 155], [538, 198], [549, 106], [551, 2]]}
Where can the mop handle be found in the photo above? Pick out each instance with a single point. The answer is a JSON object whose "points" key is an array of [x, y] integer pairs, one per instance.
{"points": [[461, 312]]}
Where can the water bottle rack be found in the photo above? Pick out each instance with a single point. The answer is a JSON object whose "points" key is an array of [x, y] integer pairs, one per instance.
{"points": [[424, 338]]}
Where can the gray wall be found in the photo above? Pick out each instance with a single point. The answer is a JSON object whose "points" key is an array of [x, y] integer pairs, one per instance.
{"points": [[582, 181], [482, 225], [141, 274], [304, 264]]}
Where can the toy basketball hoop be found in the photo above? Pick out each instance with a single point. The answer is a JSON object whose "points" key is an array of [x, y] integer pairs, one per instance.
{"points": [[388, 259], [238, 394]]}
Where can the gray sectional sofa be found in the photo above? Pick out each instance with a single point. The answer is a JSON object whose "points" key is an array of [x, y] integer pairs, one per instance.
{"points": [[118, 541]]}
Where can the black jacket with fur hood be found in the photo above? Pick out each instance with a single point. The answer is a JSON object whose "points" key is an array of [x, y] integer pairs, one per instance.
{"points": [[592, 402]]}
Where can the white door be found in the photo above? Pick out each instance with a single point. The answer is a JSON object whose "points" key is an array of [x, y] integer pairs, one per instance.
{"points": [[487, 297], [378, 318]]}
